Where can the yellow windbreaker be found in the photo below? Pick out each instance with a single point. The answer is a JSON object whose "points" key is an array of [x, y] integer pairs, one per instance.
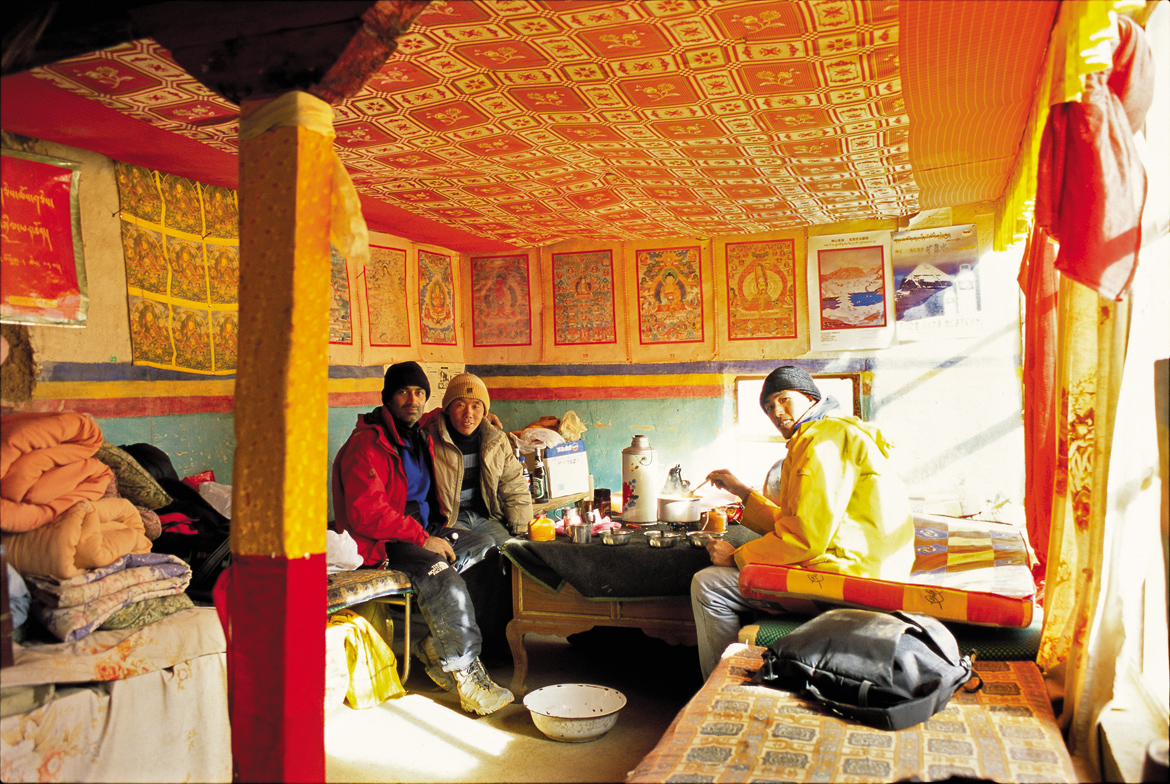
{"points": [[842, 509]]}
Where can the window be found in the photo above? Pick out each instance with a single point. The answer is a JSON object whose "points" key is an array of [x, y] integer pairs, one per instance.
{"points": [[753, 424]]}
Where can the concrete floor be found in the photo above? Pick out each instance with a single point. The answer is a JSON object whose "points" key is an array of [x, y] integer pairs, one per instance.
{"points": [[425, 737]]}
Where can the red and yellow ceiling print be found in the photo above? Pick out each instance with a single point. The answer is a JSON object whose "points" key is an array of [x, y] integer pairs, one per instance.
{"points": [[532, 122]]}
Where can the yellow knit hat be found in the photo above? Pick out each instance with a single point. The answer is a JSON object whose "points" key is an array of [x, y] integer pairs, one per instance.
{"points": [[469, 386]]}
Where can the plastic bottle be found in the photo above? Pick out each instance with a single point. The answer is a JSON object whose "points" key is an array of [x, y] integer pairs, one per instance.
{"points": [[524, 469]]}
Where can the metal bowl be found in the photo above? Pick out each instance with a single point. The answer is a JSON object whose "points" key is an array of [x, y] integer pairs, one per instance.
{"points": [[616, 536], [574, 712], [662, 538], [700, 538]]}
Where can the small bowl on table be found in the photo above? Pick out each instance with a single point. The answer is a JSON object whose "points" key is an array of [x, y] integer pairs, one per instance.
{"points": [[616, 536], [662, 538], [700, 538]]}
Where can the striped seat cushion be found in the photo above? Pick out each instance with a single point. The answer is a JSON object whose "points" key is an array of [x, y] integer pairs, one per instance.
{"points": [[964, 571], [349, 588]]}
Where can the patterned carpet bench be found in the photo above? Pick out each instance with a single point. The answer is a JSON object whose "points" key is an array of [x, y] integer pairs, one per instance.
{"points": [[735, 731]]}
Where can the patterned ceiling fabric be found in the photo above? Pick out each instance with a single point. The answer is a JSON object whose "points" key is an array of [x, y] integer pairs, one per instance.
{"points": [[534, 122], [967, 111]]}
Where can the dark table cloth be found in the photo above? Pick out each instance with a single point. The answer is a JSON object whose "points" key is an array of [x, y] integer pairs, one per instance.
{"points": [[631, 571]]}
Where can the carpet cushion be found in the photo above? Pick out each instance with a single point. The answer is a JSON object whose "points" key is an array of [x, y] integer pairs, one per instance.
{"points": [[735, 730]]}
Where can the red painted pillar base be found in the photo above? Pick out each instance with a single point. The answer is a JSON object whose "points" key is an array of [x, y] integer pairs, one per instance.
{"points": [[277, 704]]}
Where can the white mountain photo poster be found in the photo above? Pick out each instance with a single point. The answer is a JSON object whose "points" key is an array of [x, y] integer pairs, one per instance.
{"points": [[850, 291]]}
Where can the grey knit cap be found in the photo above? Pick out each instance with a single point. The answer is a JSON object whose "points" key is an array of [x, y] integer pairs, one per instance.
{"points": [[788, 377]]}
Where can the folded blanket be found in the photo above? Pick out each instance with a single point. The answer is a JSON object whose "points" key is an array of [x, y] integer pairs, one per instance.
{"points": [[73, 623], [89, 535], [47, 465], [93, 584]]}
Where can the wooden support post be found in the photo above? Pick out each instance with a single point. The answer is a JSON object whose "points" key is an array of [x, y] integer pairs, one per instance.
{"points": [[276, 592]]}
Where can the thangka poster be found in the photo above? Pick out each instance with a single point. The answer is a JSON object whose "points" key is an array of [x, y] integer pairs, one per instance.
{"points": [[43, 280], [436, 298], [340, 323], [583, 298], [936, 283], [851, 291], [761, 290], [180, 240], [501, 309], [386, 297], [670, 301]]}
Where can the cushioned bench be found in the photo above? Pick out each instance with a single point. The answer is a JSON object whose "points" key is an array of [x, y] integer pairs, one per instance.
{"points": [[735, 731], [389, 586], [988, 643]]}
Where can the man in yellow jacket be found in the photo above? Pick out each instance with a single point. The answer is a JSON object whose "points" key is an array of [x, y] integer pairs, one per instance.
{"points": [[840, 509]]}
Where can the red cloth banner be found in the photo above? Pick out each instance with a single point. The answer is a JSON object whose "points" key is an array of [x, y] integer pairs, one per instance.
{"points": [[43, 279]]}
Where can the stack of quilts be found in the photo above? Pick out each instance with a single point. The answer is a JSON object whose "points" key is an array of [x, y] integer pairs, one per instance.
{"points": [[73, 607]]}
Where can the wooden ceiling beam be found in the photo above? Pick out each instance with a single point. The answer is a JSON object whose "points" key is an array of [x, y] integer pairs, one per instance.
{"points": [[238, 50]]}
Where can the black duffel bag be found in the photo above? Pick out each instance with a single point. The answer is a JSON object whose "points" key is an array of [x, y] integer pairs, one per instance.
{"points": [[885, 670]]}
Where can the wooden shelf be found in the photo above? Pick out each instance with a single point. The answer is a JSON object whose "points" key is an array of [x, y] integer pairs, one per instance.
{"points": [[557, 503]]}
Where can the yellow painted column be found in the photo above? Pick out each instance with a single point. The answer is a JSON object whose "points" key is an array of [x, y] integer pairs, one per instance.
{"points": [[276, 590]]}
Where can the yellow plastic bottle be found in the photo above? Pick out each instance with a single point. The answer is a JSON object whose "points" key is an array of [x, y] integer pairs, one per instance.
{"points": [[541, 529]]}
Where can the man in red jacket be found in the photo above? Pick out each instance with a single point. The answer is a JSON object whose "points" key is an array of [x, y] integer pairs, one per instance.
{"points": [[384, 497]]}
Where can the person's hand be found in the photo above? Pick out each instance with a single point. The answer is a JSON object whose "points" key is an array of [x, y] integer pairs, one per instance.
{"points": [[494, 421], [440, 546], [722, 553], [725, 480]]}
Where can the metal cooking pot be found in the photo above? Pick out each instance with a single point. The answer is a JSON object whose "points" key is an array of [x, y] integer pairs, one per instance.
{"points": [[675, 509]]}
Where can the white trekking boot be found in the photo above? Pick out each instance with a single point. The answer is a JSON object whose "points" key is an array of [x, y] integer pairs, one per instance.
{"points": [[477, 692], [424, 651]]}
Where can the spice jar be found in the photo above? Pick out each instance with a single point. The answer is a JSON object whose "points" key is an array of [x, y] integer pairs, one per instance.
{"points": [[541, 529]]}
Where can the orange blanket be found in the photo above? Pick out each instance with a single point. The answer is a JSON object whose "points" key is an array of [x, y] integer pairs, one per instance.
{"points": [[46, 466], [89, 535]]}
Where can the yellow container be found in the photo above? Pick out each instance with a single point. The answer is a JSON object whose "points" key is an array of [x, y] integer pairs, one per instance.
{"points": [[541, 529]]}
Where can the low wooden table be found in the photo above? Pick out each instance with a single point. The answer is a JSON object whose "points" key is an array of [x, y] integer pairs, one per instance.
{"points": [[537, 609], [561, 588]]}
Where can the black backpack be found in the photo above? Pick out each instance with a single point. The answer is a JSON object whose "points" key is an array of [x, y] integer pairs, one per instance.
{"points": [[208, 547], [885, 670]]}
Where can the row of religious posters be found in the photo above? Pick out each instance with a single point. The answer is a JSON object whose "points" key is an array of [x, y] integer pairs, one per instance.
{"points": [[688, 299], [656, 301]]}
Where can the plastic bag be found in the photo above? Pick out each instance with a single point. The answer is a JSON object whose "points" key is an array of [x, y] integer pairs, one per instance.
{"points": [[341, 552], [219, 496], [571, 427], [531, 438]]}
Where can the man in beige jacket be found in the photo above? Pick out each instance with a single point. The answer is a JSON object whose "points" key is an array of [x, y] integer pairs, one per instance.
{"points": [[481, 485], [481, 488]]}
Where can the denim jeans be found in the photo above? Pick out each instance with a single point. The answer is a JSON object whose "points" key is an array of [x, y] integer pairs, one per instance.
{"points": [[496, 608], [447, 593], [717, 605], [474, 521]]}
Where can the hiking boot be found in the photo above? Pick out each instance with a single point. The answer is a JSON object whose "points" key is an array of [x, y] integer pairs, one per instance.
{"points": [[477, 692], [424, 651]]}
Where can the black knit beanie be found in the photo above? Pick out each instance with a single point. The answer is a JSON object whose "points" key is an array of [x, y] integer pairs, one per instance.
{"points": [[788, 377], [401, 376]]}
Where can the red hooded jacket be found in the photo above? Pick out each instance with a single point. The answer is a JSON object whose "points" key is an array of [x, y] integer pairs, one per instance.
{"points": [[369, 488]]}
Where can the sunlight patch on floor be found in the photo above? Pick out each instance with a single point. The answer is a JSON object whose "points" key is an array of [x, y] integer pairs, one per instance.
{"points": [[458, 743]]}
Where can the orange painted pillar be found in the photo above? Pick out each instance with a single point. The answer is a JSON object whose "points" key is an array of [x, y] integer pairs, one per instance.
{"points": [[275, 593]]}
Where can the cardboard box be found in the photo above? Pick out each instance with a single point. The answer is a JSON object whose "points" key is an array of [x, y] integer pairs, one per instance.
{"points": [[567, 465]]}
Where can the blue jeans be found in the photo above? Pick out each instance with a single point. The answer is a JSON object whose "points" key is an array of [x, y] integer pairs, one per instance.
{"points": [[717, 605], [447, 593], [473, 521]]}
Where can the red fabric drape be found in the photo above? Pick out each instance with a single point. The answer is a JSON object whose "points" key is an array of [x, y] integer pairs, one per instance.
{"points": [[1091, 185], [1038, 281], [273, 613]]}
